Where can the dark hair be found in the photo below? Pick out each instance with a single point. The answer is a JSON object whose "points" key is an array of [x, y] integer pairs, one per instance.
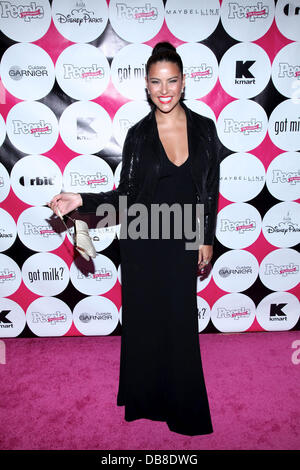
{"points": [[164, 51]]}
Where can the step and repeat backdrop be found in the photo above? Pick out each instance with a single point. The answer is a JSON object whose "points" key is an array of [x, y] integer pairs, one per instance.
{"points": [[72, 84]]}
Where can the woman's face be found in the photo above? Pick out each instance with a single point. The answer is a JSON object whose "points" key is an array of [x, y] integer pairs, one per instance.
{"points": [[165, 84]]}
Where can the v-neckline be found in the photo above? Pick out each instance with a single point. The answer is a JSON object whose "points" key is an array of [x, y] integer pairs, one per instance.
{"points": [[172, 163], [157, 133]]}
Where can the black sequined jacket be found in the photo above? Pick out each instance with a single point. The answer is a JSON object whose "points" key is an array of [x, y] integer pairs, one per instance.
{"points": [[141, 161]]}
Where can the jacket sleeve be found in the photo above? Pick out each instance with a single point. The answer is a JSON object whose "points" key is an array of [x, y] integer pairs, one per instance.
{"points": [[212, 186], [128, 185]]}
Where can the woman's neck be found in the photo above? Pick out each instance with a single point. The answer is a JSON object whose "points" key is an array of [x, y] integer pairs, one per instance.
{"points": [[173, 116]]}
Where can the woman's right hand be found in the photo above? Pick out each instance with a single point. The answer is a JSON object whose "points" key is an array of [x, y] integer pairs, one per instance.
{"points": [[65, 203]]}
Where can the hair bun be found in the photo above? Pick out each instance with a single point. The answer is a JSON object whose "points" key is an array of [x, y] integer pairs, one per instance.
{"points": [[162, 47]]}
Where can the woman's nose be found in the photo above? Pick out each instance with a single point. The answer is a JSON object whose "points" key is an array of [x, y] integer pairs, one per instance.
{"points": [[164, 88]]}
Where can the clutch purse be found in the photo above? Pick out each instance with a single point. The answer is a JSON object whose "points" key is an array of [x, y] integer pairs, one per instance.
{"points": [[81, 238]]}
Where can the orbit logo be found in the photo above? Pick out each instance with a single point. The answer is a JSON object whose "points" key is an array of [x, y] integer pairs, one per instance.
{"points": [[32, 127], [247, 21], [39, 230], [279, 270], [136, 21], [192, 21], [238, 225], [82, 71], [244, 70], [278, 311], [242, 177], [233, 312], [96, 315], [27, 71], [245, 132], [49, 316], [287, 18], [12, 319], [280, 226], [283, 176], [35, 179], [25, 22], [201, 77], [80, 21], [235, 270], [88, 173]]}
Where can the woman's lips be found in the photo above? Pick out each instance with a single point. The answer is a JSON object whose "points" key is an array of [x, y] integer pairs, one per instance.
{"points": [[165, 99]]}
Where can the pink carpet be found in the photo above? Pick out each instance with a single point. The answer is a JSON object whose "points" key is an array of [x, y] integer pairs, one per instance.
{"points": [[60, 393]]}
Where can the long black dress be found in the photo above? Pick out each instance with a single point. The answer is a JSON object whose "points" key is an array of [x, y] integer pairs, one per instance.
{"points": [[161, 375]]}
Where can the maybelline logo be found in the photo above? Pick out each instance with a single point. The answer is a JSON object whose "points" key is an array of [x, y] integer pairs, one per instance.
{"points": [[92, 181], [79, 16], [291, 177], [137, 13], [98, 275], [288, 70], [250, 12], [244, 127], [4, 321], [245, 178], [7, 275], [282, 269], [87, 317], [225, 272], [31, 128], [243, 76], [284, 227], [37, 181], [198, 72], [16, 73], [44, 230], [25, 12], [246, 225], [49, 318], [276, 313], [193, 11], [235, 313], [73, 72]]}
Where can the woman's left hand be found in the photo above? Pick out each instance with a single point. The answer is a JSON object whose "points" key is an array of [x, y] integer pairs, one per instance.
{"points": [[205, 255]]}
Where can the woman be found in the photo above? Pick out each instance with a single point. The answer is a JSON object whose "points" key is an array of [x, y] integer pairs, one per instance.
{"points": [[170, 157]]}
